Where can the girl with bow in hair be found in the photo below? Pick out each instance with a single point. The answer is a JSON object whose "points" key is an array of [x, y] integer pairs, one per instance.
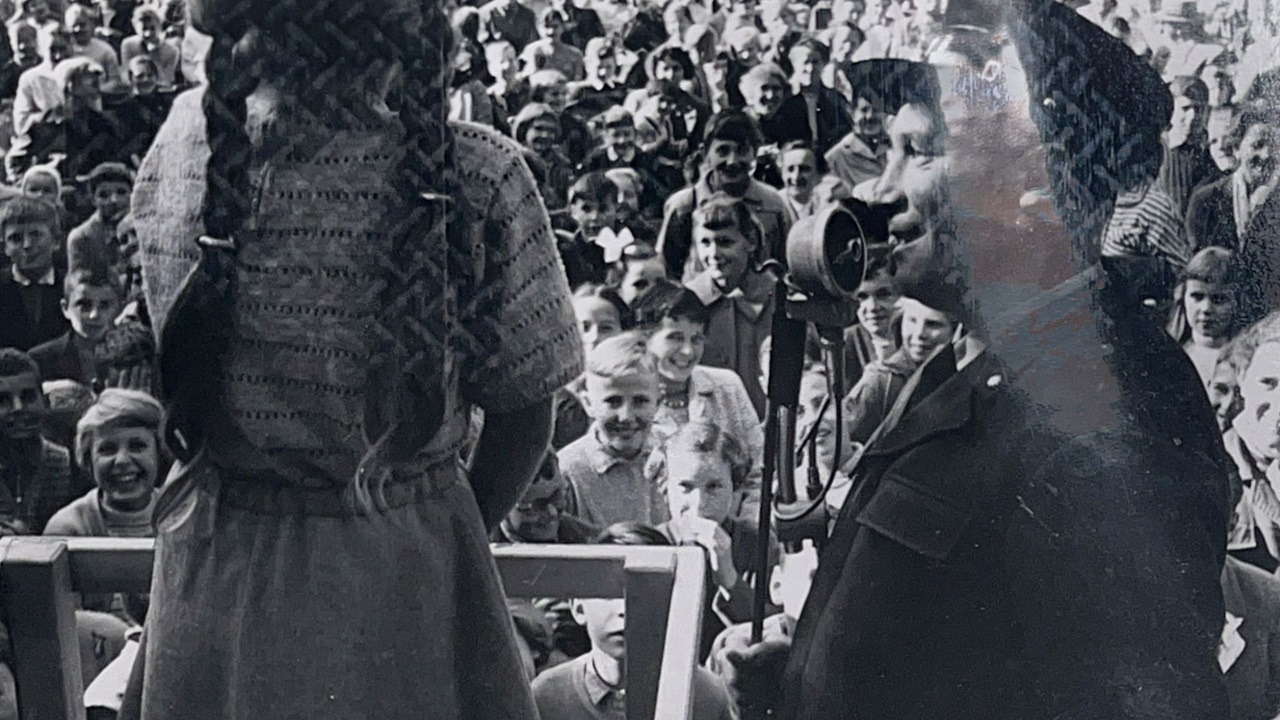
{"points": [[337, 276]]}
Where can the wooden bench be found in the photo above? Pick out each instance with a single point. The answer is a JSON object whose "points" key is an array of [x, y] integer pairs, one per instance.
{"points": [[664, 589]]}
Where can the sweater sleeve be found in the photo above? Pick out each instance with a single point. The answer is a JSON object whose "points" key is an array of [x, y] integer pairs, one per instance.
{"points": [[520, 324]]}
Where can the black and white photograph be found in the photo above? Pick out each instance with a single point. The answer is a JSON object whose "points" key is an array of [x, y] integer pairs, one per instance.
{"points": [[640, 360]]}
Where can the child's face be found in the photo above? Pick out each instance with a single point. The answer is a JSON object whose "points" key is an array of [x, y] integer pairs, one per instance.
{"points": [[699, 484], [125, 462], [640, 278], [29, 247], [551, 26], [1259, 420], [1209, 307], [765, 96], [799, 171], [628, 193], [876, 300], [678, 345], [791, 579], [923, 329], [593, 215], [813, 393], [541, 136], [804, 64], [1222, 395], [41, 185], [112, 200], [597, 320], [669, 73], [143, 78], [21, 406], [147, 28], [91, 310], [606, 623], [730, 160], [556, 94], [620, 137], [622, 409], [725, 253]]}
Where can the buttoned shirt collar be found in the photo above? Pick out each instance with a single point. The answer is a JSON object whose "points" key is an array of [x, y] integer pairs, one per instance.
{"points": [[602, 461], [751, 297], [597, 690], [49, 278]]}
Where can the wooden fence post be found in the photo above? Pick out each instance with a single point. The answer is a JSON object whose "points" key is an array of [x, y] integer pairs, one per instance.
{"points": [[39, 610]]}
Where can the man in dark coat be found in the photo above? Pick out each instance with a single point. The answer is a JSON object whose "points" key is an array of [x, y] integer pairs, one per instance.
{"points": [[1036, 531]]}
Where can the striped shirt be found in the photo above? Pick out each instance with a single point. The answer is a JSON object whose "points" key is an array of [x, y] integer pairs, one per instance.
{"points": [[1146, 223]]}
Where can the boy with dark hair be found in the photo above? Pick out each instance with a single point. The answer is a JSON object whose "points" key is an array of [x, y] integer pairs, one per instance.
{"points": [[860, 155], [620, 149], [35, 474], [729, 148], [31, 287], [692, 392], [593, 208], [594, 685], [110, 185], [92, 302]]}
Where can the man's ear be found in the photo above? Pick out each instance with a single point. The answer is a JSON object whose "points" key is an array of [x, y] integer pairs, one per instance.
{"points": [[579, 611]]}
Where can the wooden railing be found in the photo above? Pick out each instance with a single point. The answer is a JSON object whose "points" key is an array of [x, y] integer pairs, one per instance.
{"points": [[663, 587]]}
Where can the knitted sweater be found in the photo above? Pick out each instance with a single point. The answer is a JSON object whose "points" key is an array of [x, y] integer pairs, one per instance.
{"points": [[293, 384]]}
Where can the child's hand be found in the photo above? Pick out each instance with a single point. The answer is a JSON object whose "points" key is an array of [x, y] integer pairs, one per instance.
{"points": [[135, 377], [708, 535]]}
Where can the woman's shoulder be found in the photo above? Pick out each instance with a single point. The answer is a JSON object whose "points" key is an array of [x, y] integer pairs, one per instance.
{"points": [[75, 518]]}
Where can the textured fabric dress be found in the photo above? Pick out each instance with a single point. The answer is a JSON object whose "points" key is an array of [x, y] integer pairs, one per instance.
{"points": [[273, 597]]}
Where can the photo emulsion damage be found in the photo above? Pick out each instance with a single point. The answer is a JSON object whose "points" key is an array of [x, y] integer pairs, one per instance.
{"points": [[640, 359]]}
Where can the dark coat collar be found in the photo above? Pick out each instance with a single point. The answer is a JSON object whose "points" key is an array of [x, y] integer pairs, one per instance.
{"points": [[941, 399]]}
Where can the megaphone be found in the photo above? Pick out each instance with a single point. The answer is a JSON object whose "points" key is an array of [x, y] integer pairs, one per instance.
{"points": [[827, 255]]}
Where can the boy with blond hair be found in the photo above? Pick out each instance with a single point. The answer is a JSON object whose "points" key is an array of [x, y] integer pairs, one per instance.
{"points": [[605, 467]]}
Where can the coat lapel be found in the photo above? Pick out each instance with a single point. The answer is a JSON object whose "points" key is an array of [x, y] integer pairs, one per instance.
{"points": [[938, 399]]}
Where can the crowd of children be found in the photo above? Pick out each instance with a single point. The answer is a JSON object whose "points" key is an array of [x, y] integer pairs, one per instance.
{"points": [[674, 146]]}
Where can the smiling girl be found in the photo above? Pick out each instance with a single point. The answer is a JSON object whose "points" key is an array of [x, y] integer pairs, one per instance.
{"points": [[118, 445]]}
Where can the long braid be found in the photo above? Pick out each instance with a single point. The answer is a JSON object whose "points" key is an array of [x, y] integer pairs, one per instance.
{"points": [[429, 259], [410, 364], [198, 334]]}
